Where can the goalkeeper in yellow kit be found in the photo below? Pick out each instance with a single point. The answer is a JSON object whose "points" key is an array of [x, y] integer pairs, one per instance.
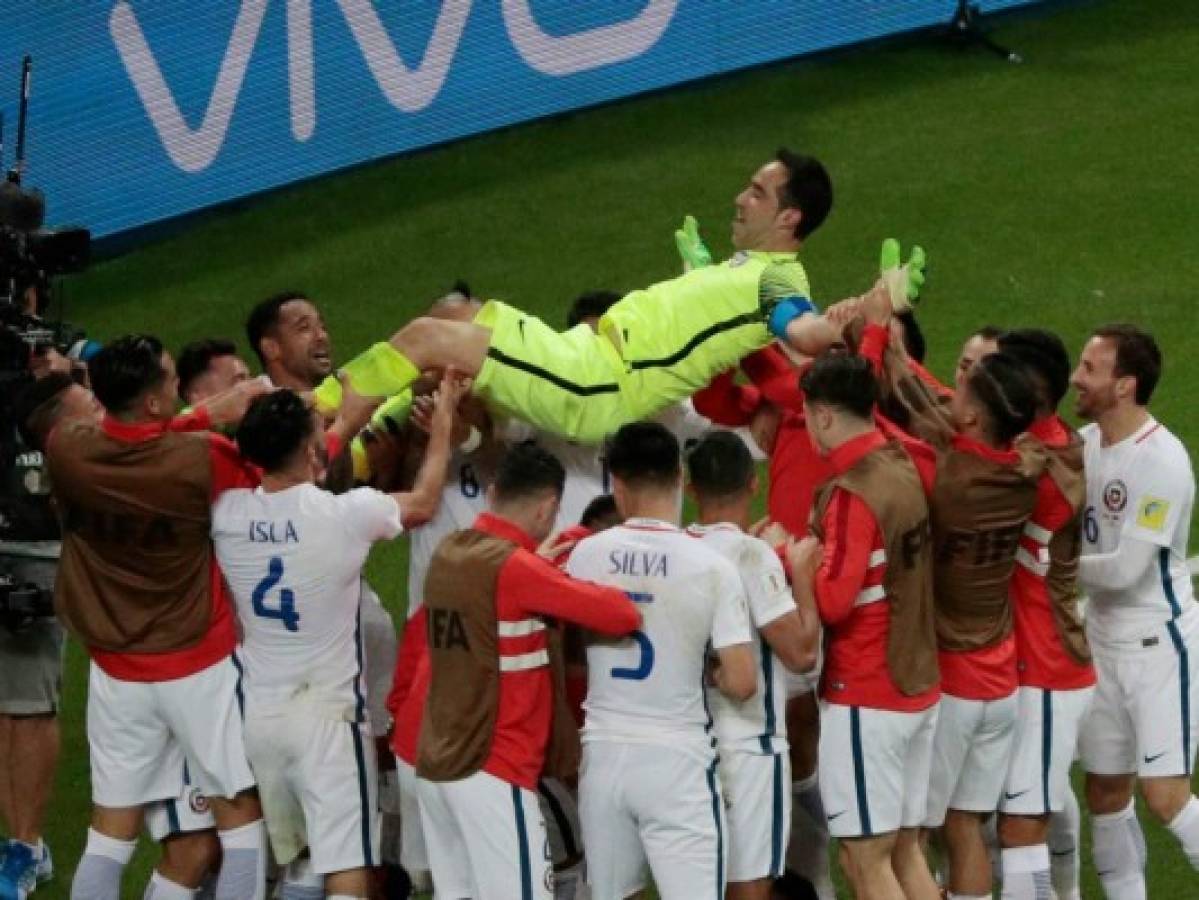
{"points": [[655, 346]]}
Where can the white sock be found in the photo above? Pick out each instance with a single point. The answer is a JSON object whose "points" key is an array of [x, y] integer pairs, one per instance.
{"points": [[162, 888], [1119, 852], [1026, 873], [98, 875], [1064, 830], [243, 864], [807, 852], [1185, 827]]}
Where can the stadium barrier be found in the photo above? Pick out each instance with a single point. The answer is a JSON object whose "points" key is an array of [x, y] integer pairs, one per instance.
{"points": [[144, 110]]}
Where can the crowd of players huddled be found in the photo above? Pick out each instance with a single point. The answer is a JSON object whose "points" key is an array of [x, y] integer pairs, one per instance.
{"points": [[591, 691]]}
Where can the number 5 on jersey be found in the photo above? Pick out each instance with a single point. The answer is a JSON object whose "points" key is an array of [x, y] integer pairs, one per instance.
{"points": [[645, 664], [286, 611]]}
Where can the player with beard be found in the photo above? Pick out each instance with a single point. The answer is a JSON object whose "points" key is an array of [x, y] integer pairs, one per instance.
{"points": [[1142, 620]]}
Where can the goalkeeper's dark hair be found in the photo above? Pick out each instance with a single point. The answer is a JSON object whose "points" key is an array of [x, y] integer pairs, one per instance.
{"points": [[808, 189], [527, 470], [645, 454], [1046, 360], [275, 427], [590, 305], [125, 369], [1002, 386], [841, 381], [264, 319], [720, 465]]}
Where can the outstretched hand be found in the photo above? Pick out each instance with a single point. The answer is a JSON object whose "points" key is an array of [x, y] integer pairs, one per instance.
{"points": [[692, 250], [904, 280], [803, 559], [453, 387], [228, 407]]}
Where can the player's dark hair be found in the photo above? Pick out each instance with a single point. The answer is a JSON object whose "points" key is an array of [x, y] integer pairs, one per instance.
{"points": [[1137, 354], [1009, 400], [645, 454], [601, 509], [528, 469], [913, 335], [125, 369], [844, 382], [988, 333], [195, 358], [264, 319], [808, 189], [1045, 358], [720, 465], [38, 406], [275, 426], [590, 305]]}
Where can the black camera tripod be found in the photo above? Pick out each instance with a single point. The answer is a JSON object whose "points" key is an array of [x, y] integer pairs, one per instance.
{"points": [[965, 31]]}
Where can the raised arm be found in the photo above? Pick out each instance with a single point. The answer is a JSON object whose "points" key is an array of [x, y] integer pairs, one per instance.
{"points": [[420, 504]]}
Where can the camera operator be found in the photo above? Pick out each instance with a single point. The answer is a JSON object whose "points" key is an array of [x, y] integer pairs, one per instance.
{"points": [[31, 640]]}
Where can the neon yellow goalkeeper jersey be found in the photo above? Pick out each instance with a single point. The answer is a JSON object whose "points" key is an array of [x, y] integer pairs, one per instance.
{"points": [[676, 335]]}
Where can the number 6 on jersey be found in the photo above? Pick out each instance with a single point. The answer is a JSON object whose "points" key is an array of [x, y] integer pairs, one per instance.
{"points": [[286, 612]]}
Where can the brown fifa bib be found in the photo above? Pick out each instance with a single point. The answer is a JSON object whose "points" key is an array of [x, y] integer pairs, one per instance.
{"points": [[135, 572], [458, 723], [904, 397], [979, 510], [1065, 466], [886, 480]]}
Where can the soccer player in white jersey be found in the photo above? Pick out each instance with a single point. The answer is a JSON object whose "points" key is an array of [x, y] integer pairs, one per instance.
{"points": [[648, 788], [1142, 620], [293, 555], [755, 767]]}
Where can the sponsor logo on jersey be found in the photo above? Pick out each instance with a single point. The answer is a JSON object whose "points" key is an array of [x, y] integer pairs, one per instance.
{"points": [[197, 801], [1152, 513], [1115, 495]]}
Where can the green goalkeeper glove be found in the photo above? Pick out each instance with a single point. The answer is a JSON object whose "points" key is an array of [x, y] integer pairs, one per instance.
{"points": [[692, 250], [903, 281]]}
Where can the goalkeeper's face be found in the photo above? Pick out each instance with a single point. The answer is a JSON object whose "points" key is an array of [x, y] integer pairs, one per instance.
{"points": [[760, 221]]}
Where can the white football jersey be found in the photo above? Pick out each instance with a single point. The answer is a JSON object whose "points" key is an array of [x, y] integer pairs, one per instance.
{"points": [[293, 561], [757, 725], [1141, 488], [463, 498], [649, 687], [587, 475]]}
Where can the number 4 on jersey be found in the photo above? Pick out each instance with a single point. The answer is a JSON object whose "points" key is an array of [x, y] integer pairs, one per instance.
{"points": [[286, 612]]}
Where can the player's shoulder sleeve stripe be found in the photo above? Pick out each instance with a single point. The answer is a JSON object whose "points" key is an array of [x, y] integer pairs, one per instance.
{"points": [[783, 280]]}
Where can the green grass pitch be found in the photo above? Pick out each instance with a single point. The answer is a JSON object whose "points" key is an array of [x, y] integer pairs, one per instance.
{"points": [[1063, 193]]}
